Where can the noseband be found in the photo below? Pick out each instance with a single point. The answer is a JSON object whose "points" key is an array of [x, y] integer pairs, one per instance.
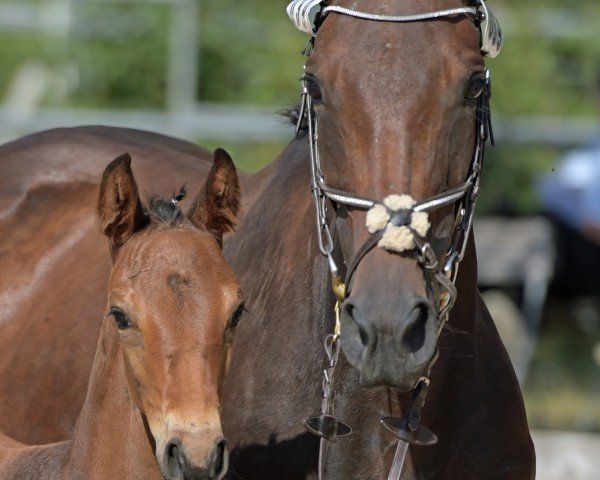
{"points": [[397, 224]]}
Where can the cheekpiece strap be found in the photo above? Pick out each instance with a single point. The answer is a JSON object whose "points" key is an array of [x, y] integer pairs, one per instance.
{"points": [[484, 111]]}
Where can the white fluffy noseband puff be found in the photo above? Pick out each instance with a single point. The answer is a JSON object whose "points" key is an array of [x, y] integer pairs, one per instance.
{"points": [[397, 239]]}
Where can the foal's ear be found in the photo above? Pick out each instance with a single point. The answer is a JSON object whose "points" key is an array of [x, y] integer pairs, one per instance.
{"points": [[216, 206], [120, 211]]}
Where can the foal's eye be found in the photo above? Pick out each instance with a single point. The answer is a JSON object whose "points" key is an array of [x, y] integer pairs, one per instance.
{"points": [[123, 322], [237, 315], [475, 87], [312, 86]]}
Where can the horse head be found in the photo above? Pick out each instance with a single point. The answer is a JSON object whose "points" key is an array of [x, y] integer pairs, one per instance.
{"points": [[171, 297], [395, 104]]}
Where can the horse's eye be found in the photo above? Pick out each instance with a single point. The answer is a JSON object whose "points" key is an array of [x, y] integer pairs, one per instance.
{"points": [[237, 315], [475, 87], [123, 322], [312, 87]]}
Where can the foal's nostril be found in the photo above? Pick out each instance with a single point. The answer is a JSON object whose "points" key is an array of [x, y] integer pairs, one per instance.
{"points": [[174, 459], [219, 459], [414, 337]]}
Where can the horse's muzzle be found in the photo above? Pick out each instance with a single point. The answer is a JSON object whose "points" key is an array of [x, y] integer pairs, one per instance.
{"points": [[388, 352]]}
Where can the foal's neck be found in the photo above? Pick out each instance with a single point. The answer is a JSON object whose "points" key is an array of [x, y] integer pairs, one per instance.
{"points": [[110, 438]]}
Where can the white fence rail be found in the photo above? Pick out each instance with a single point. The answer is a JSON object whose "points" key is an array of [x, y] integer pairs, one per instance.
{"points": [[218, 122], [244, 122]]}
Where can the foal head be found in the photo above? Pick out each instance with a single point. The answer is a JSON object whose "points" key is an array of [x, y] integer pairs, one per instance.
{"points": [[396, 105], [174, 298]]}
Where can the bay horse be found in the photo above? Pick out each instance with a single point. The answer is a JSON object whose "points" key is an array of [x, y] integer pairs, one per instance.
{"points": [[151, 409], [401, 106]]}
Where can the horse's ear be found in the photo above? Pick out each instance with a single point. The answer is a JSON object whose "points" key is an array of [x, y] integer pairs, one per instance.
{"points": [[120, 211], [216, 206]]}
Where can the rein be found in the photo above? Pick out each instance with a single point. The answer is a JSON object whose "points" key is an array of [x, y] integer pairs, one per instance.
{"points": [[397, 224]]}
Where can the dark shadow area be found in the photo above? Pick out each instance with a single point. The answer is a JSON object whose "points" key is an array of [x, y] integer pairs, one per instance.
{"points": [[291, 459]]}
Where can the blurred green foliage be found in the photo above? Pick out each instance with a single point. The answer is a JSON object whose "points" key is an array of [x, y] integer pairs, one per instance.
{"points": [[550, 63], [14, 50], [509, 173], [249, 52], [121, 51], [115, 55], [248, 156]]}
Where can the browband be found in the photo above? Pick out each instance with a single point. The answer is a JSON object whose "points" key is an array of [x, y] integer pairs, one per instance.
{"points": [[307, 15]]}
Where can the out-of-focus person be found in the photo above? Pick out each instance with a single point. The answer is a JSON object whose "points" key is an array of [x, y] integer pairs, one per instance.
{"points": [[570, 196]]}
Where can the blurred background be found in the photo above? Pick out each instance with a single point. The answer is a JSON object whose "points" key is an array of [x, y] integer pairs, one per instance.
{"points": [[217, 72]]}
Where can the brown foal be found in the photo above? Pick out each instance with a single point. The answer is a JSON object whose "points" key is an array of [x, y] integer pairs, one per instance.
{"points": [[152, 405]]}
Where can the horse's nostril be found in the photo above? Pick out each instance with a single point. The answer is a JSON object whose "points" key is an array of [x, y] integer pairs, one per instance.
{"points": [[353, 313], [364, 336], [219, 460], [414, 338], [174, 459]]}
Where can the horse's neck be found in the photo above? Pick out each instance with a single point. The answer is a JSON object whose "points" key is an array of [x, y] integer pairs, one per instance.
{"points": [[110, 439], [277, 260], [95, 432], [458, 341], [473, 385], [279, 224]]}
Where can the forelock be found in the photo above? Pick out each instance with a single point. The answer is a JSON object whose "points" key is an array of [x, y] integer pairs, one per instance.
{"points": [[165, 211]]}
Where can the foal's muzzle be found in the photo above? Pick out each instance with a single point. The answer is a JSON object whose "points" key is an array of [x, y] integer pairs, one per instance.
{"points": [[177, 463]]}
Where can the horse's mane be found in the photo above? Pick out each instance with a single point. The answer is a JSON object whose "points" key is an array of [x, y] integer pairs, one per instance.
{"points": [[292, 113]]}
